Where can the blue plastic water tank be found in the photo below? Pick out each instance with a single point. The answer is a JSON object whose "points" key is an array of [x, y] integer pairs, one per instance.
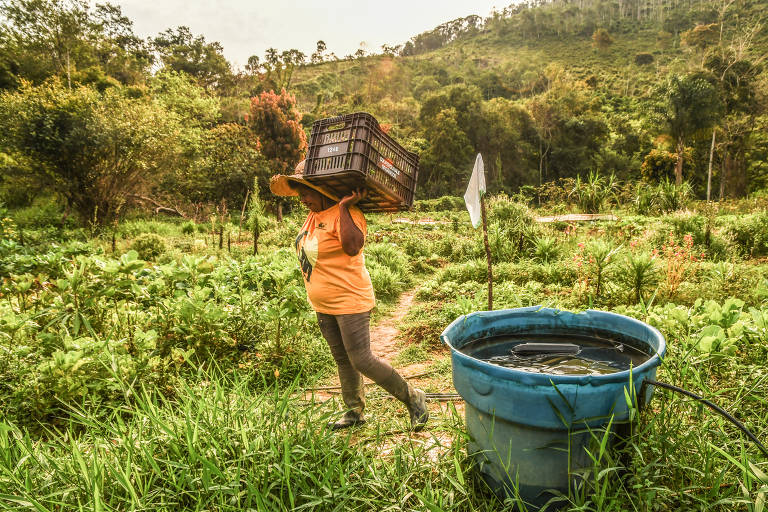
{"points": [[529, 431]]}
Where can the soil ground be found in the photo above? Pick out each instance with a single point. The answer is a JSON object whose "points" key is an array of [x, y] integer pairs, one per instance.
{"points": [[386, 344]]}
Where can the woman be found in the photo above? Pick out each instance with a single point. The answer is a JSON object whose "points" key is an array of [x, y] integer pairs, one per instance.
{"points": [[330, 250]]}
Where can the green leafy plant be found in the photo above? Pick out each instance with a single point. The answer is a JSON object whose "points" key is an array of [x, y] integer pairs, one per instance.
{"points": [[639, 273], [149, 246], [594, 193], [593, 259], [750, 234], [662, 198], [546, 249]]}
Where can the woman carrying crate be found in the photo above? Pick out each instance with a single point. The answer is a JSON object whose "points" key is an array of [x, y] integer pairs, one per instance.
{"points": [[330, 250]]}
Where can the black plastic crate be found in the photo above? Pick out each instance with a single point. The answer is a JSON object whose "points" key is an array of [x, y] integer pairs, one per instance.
{"points": [[352, 151]]}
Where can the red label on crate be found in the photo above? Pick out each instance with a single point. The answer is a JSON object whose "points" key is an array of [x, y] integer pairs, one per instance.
{"points": [[336, 149], [389, 167]]}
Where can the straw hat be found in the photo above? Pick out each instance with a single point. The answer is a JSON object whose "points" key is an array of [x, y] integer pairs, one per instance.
{"points": [[280, 184]]}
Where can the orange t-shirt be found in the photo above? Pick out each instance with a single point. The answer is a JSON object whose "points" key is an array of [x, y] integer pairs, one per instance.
{"points": [[337, 284]]}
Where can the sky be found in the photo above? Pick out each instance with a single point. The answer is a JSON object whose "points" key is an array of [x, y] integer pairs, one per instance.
{"points": [[249, 27]]}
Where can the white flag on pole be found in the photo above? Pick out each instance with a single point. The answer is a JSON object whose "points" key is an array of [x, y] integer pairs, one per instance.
{"points": [[475, 189]]}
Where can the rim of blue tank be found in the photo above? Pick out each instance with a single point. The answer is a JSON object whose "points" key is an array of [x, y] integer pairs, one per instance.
{"points": [[545, 378]]}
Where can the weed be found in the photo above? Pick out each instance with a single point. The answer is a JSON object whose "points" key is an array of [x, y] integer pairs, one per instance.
{"points": [[594, 193], [148, 246], [639, 274]]}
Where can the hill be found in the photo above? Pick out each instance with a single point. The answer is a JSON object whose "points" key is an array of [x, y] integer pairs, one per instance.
{"points": [[571, 87]]}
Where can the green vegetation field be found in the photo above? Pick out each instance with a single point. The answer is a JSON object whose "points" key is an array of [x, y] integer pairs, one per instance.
{"points": [[157, 351], [145, 368]]}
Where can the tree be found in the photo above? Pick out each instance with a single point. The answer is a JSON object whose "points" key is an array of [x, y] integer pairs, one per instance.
{"points": [[279, 67], [229, 160], [179, 94], [253, 65], [737, 74], [276, 122], [465, 100], [658, 165], [319, 55], [445, 165], [508, 144], [50, 34], [571, 129], [179, 50], [689, 104], [95, 150], [66, 38]]}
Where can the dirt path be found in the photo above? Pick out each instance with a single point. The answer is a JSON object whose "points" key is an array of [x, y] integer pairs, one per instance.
{"points": [[384, 334], [384, 344]]}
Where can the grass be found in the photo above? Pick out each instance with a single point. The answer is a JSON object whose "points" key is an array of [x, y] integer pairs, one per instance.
{"points": [[412, 353], [217, 445], [222, 438]]}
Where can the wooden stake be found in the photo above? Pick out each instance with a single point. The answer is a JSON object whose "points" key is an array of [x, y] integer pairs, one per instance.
{"points": [[487, 253], [709, 169], [242, 214]]}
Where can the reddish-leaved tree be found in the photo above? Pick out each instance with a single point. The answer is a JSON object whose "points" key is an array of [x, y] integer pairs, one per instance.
{"points": [[275, 120]]}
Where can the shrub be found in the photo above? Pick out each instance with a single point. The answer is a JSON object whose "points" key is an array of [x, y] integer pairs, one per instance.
{"points": [[42, 214], [688, 224], [662, 198], [388, 267], [545, 249], [594, 259], [444, 203], [674, 197], [642, 59], [593, 193], [505, 210], [188, 228], [639, 274], [750, 234], [658, 164], [149, 246]]}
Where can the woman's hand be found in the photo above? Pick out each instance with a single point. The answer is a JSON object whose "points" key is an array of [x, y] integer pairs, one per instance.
{"points": [[352, 239], [353, 198]]}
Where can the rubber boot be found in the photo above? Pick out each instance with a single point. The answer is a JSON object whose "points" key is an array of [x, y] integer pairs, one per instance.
{"points": [[350, 419], [417, 408], [414, 399]]}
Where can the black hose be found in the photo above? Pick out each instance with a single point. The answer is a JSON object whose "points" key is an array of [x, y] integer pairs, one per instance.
{"points": [[712, 406]]}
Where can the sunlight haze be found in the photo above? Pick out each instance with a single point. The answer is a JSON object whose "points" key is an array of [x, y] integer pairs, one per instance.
{"points": [[246, 28]]}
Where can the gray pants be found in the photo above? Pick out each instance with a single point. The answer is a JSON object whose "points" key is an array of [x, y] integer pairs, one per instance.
{"points": [[348, 337]]}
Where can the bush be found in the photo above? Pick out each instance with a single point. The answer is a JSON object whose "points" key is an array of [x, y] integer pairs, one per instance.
{"points": [[594, 193], [642, 59], [662, 198], [149, 246], [188, 228], [42, 214], [504, 210], [388, 267], [441, 204], [688, 224], [639, 274], [545, 249], [750, 234]]}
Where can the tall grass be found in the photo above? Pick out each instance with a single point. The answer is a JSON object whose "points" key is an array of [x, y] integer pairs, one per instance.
{"points": [[219, 446]]}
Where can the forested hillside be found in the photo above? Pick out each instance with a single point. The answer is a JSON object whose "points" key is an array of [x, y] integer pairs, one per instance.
{"points": [[562, 88], [646, 90]]}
